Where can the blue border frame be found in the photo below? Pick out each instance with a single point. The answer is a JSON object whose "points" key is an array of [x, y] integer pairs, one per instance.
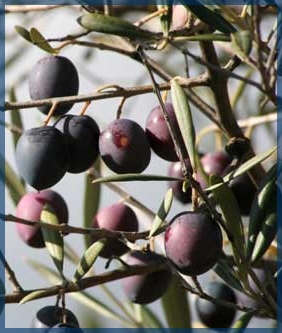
{"points": [[2, 161], [2, 141]]}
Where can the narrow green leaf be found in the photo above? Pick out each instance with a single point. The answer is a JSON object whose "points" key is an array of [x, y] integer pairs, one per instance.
{"points": [[251, 163], [165, 18], [91, 202], [204, 37], [32, 296], [210, 17], [227, 274], [114, 26], [88, 259], [48, 273], [266, 235], [82, 297], [24, 33], [14, 57], [12, 182], [40, 41], [248, 165], [16, 119], [176, 306], [99, 307], [149, 318], [241, 42], [53, 240], [230, 211], [162, 212], [263, 208], [184, 119], [242, 322], [133, 177]]}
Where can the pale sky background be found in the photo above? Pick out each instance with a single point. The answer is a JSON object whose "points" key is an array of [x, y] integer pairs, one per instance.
{"points": [[103, 68]]}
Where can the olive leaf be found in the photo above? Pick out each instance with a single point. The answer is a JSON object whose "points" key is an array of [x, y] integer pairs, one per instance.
{"points": [[133, 177], [184, 120], [246, 166], [13, 183], [166, 17], [24, 33], [162, 213], [207, 37], [251, 163], [176, 306], [91, 202], [241, 42], [262, 226], [16, 119], [53, 239], [88, 259], [242, 322], [38, 39], [267, 234], [210, 17], [114, 26], [230, 211], [149, 318], [32, 296], [227, 274]]}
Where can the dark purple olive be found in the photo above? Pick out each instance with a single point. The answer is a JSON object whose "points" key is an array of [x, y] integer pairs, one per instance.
{"points": [[82, 137], [146, 288], [117, 217], [158, 133], [53, 76], [175, 170], [214, 315], [124, 147], [42, 157], [193, 242], [49, 316]]}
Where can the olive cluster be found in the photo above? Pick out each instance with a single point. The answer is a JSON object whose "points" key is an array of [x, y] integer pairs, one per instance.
{"points": [[193, 240]]}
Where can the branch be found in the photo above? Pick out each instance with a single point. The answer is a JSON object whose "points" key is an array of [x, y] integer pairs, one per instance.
{"points": [[219, 87], [90, 281], [243, 123], [29, 8], [122, 92], [68, 229], [11, 275]]}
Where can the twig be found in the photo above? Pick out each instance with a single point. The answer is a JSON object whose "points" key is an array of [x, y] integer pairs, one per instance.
{"points": [[222, 71], [11, 275], [149, 17], [125, 92], [205, 108], [243, 123], [11, 127], [68, 229], [200, 293], [90, 281], [124, 194], [29, 8], [182, 153], [218, 85]]}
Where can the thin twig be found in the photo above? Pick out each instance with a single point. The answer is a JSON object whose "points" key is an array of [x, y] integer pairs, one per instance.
{"points": [[243, 123], [29, 8], [68, 229], [90, 281], [11, 275], [125, 92]]}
